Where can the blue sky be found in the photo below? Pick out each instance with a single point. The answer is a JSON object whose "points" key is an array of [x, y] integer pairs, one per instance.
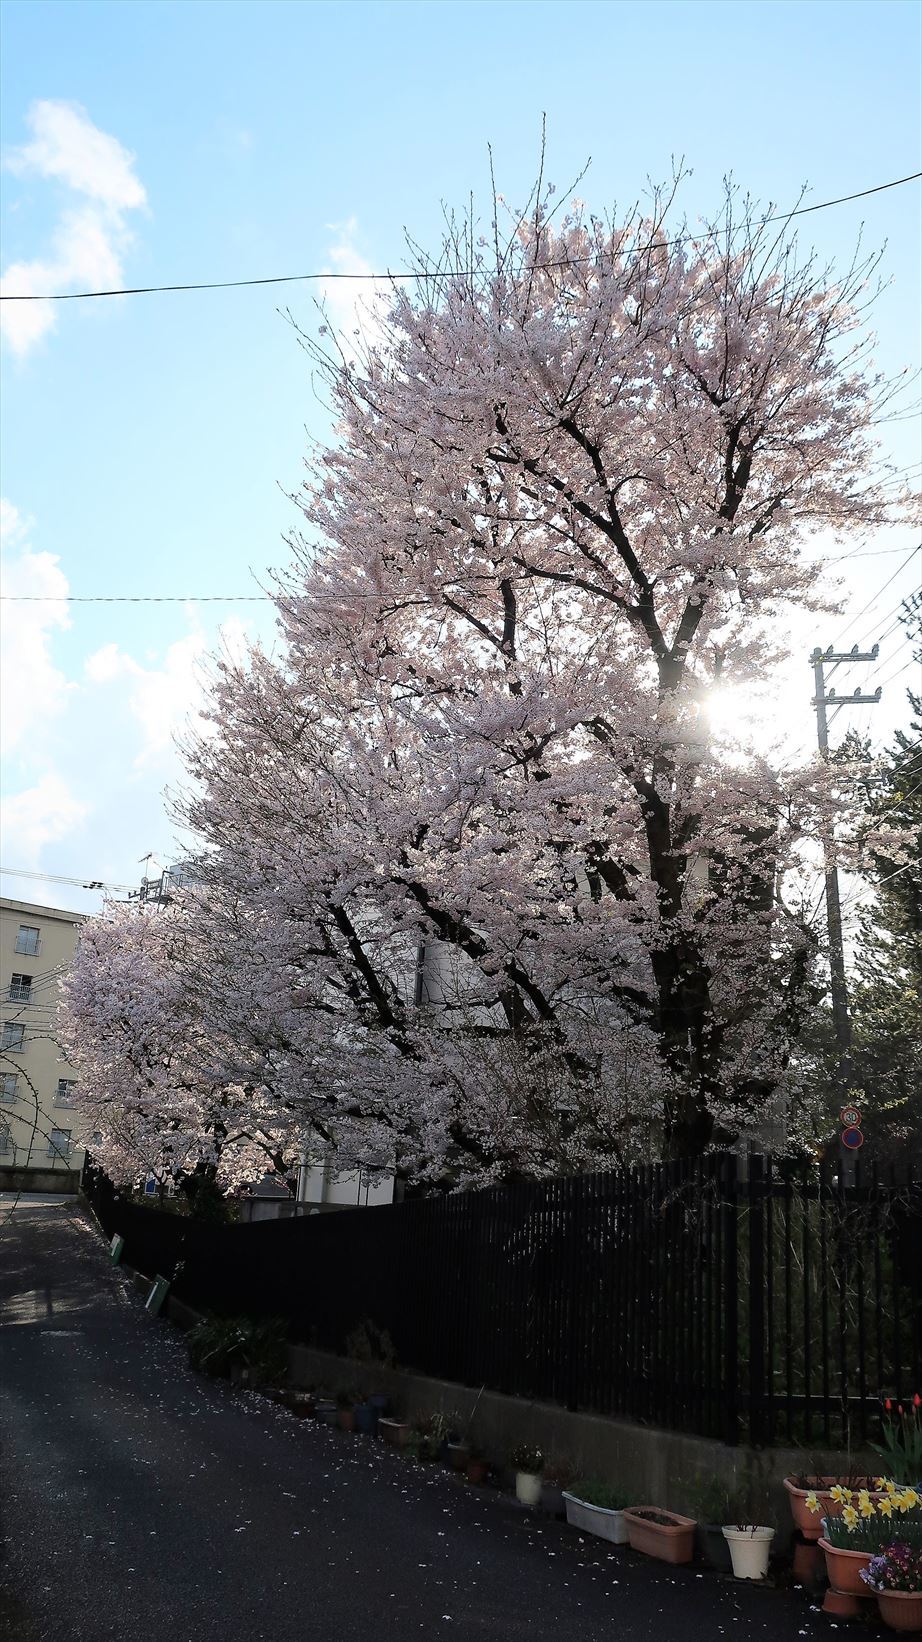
{"points": [[148, 442]]}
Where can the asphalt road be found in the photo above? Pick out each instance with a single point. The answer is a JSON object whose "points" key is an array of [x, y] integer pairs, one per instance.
{"points": [[140, 1500]]}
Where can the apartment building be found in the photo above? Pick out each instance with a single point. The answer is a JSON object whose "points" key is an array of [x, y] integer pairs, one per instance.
{"points": [[40, 1138]]}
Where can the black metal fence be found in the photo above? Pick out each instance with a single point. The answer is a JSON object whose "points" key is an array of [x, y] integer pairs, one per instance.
{"points": [[743, 1301]]}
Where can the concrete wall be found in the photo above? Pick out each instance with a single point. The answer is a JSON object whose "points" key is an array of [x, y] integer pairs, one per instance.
{"points": [[39, 1180], [657, 1467]]}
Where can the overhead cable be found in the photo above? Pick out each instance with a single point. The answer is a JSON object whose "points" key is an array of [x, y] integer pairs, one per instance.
{"points": [[433, 274]]}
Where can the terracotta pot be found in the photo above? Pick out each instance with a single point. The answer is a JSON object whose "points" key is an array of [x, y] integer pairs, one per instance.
{"points": [[458, 1454], [901, 1610], [477, 1472], [808, 1560], [844, 1569], [810, 1523], [346, 1419], [841, 1604], [672, 1541]]}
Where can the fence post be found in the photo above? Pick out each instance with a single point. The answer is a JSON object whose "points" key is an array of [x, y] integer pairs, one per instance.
{"points": [[756, 1300], [730, 1286]]}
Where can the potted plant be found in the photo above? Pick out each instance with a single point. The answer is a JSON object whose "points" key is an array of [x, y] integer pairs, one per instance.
{"points": [[868, 1523], [325, 1409], [345, 1411], [714, 1505], [902, 1444], [477, 1470], [828, 1494], [598, 1509], [528, 1465], [895, 1577], [558, 1476], [395, 1432], [750, 1544], [663, 1534], [366, 1417]]}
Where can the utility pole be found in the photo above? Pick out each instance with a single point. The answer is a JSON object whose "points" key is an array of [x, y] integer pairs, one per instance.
{"points": [[823, 701]]}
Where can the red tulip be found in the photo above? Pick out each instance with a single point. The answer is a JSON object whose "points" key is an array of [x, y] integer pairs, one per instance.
{"points": [[917, 1401], [899, 1409], [887, 1404]]}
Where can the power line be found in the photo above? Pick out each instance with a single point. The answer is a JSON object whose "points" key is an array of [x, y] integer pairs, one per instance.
{"points": [[57, 878], [872, 601], [348, 594], [456, 273]]}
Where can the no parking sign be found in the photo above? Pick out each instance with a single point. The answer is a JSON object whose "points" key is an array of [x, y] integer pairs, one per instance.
{"points": [[852, 1136]]}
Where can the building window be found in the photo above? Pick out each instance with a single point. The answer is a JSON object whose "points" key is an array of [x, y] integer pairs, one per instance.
{"points": [[20, 988], [6, 1139], [9, 1088], [28, 940], [65, 1092], [13, 1035], [59, 1143]]}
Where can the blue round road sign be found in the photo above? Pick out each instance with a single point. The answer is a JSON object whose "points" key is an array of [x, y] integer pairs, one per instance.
{"points": [[852, 1139]]}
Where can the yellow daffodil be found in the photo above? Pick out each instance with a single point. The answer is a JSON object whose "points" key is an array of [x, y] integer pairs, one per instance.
{"points": [[892, 1489], [839, 1494], [850, 1518], [911, 1497], [865, 1503], [885, 1507], [881, 1482], [811, 1502]]}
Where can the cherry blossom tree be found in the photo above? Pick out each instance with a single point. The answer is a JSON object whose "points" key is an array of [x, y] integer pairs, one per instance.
{"points": [[480, 894]]}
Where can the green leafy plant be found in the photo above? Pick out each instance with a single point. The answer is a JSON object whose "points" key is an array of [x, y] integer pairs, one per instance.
{"points": [[258, 1345], [603, 1494], [901, 1448], [559, 1473], [368, 1343], [526, 1458], [715, 1502]]}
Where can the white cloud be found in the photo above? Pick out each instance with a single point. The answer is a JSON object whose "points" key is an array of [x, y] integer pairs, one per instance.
{"points": [[91, 237], [99, 740], [32, 689], [351, 304], [163, 701], [39, 815]]}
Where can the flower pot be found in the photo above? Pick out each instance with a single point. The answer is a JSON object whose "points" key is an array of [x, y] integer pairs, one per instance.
{"points": [[713, 1548], [844, 1569], [395, 1432], [810, 1523], [457, 1455], [477, 1472], [749, 1550], [379, 1400], [808, 1562], [901, 1610], [671, 1539], [345, 1419], [366, 1419], [552, 1501], [596, 1519], [325, 1412], [528, 1488]]}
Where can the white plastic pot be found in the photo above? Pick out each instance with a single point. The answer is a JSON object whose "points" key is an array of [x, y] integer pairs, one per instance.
{"points": [[596, 1519], [528, 1487], [749, 1548]]}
